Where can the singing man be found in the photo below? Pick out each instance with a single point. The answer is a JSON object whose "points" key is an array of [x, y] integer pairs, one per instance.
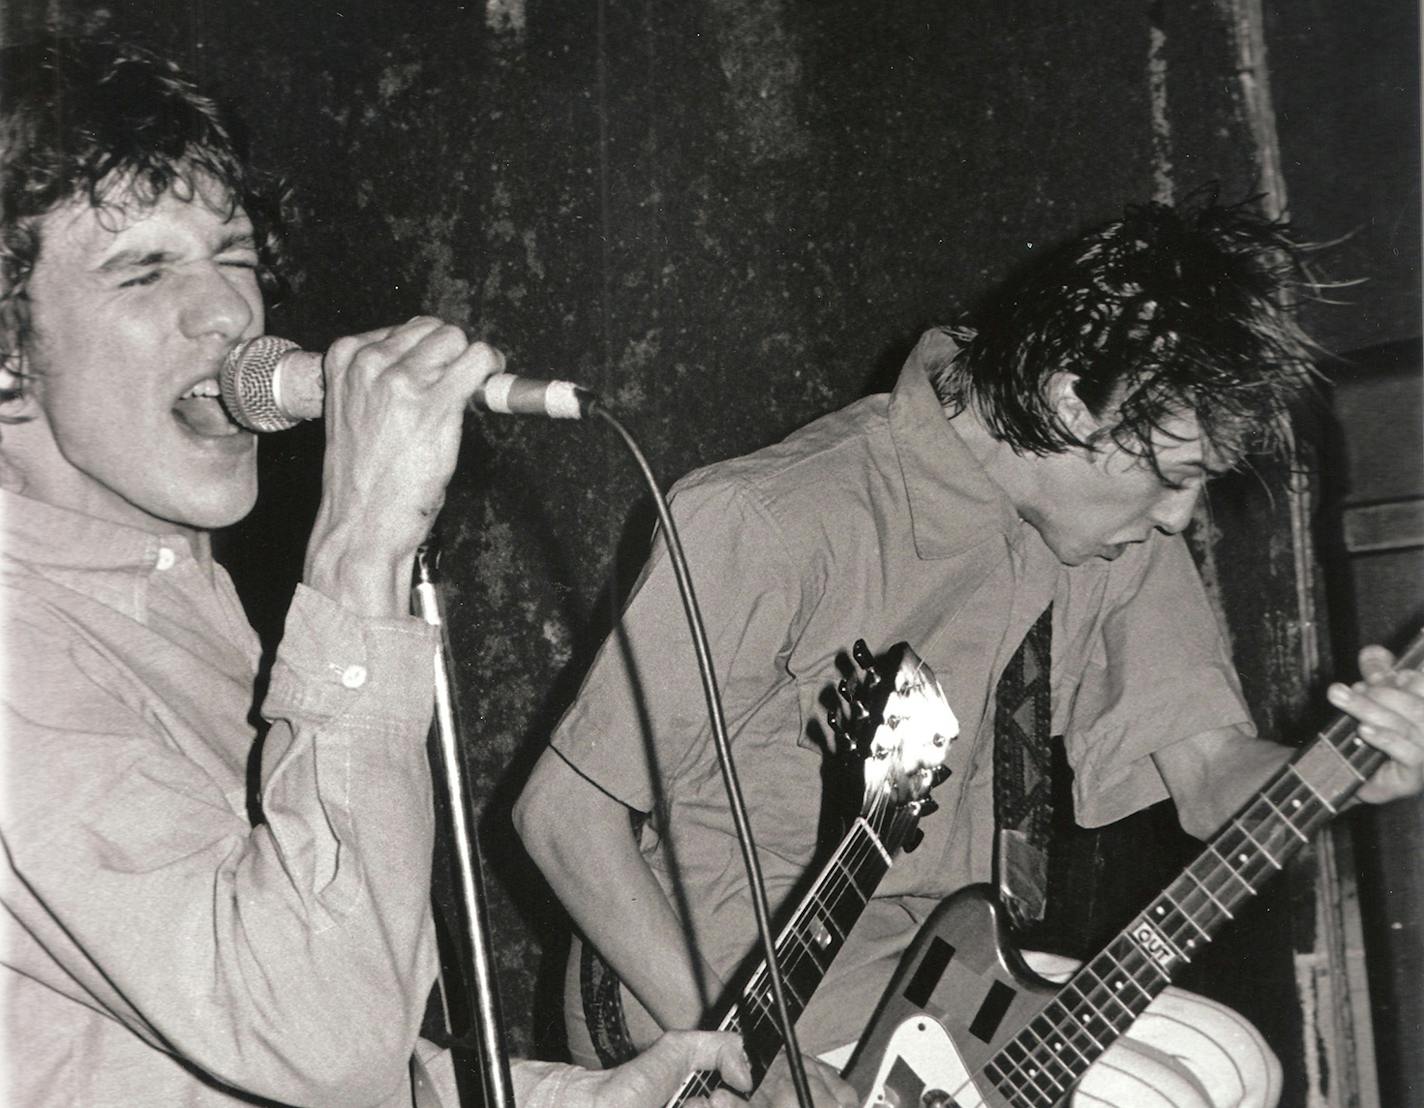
{"points": [[161, 945]]}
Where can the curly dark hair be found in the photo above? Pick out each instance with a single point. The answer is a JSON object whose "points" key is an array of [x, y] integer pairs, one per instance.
{"points": [[112, 124], [1166, 311]]}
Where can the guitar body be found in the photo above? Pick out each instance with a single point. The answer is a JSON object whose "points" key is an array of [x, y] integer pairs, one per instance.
{"points": [[960, 993]]}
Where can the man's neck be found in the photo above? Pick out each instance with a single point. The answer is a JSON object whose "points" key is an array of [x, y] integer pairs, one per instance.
{"points": [[1003, 466]]}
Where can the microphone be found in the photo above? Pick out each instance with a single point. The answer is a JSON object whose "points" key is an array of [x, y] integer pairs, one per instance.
{"points": [[270, 384]]}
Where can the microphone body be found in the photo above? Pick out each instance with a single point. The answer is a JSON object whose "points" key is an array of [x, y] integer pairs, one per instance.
{"points": [[269, 384]]}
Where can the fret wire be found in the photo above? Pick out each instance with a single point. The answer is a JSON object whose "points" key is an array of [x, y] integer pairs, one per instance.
{"points": [[1314, 791], [1368, 754], [1211, 848], [839, 877], [1033, 1075], [1194, 902], [1094, 1007], [1305, 801], [1047, 1058], [1259, 845], [1186, 915], [762, 1012], [850, 880], [698, 1084], [1111, 994], [1020, 1074], [1266, 824], [1209, 893], [1052, 1037], [1160, 930], [1285, 818], [1129, 976]]}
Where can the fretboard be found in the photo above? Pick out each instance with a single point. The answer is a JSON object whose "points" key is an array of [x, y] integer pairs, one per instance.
{"points": [[1040, 1065], [806, 947]]}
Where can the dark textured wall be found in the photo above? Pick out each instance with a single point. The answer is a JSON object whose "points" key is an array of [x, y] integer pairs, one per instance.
{"points": [[729, 217]]}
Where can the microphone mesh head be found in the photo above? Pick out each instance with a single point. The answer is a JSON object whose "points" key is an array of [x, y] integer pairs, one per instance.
{"points": [[246, 380]]}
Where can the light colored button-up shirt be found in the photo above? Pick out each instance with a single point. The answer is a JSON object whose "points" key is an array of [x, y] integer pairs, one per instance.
{"points": [[877, 522], [158, 946]]}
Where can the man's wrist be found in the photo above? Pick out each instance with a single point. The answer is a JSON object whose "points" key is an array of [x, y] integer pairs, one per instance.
{"points": [[365, 583]]}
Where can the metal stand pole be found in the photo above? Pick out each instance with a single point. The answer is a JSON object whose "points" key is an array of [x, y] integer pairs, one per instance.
{"points": [[498, 1086]]}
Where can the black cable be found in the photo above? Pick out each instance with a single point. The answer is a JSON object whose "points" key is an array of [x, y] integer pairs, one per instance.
{"points": [[724, 752]]}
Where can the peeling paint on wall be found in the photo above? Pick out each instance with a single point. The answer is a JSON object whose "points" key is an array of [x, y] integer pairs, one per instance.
{"points": [[1162, 169], [505, 16], [433, 261], [760, 59], [1312, 978]]}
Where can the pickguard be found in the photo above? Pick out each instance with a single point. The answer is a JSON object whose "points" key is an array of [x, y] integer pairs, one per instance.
{"points": [[961, 991], [921, 1067]]}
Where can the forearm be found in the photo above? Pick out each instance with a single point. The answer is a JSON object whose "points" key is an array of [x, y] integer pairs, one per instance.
{"points": [[1212, 775], [322, 934], [580, 839]]}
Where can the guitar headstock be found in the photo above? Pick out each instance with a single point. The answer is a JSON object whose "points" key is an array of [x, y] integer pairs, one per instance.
{"points": [[899, 722]]}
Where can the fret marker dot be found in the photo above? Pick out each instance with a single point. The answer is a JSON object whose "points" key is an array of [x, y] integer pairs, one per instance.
{"points": [[1241, 857], [1161, 910], [1359, 741], [1295, 803], [1191, 943]]}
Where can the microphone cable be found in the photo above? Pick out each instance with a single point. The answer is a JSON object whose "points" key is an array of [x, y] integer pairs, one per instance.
{"points": [[715, 716]]}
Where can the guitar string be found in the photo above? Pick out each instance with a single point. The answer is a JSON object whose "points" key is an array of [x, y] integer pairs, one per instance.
{"points": [[1219, 848], [837, 882]]}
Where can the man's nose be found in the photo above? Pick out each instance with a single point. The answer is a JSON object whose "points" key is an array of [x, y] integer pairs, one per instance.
{"points": [[1174, 511], [214, 303]]}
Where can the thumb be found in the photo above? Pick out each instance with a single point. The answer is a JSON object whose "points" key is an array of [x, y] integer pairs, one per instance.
{"points": [[684, 1053], [660, 1070]]}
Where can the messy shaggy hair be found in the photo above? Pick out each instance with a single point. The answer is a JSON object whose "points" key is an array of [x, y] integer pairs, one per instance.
{"points": [[1167, 311], [117, 127]]}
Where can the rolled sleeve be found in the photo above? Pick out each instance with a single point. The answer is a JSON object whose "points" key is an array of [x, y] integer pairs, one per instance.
{"points": [[1160, 673]]}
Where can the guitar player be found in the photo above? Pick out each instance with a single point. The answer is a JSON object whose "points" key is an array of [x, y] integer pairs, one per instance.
{"points": [[1013, 510]]}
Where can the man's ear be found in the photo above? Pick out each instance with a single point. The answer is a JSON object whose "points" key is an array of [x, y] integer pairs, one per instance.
{"points": [[1068, 406]]}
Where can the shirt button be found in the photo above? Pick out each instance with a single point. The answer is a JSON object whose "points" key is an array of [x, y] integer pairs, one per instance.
{"points": [[166, 558], [353, 677]]}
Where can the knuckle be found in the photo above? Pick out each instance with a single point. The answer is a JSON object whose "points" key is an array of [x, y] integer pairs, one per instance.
{"points": [[344, 349]]}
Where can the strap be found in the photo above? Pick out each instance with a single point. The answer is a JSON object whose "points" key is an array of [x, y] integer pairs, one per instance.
{"points": [[603, 1009], [1023, 774]]}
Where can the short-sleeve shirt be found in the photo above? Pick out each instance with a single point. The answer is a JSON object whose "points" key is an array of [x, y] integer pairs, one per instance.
{"points": [[876, 522]]}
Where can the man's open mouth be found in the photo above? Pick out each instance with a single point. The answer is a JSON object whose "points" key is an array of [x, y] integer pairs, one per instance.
{"points": [[200, 410]]}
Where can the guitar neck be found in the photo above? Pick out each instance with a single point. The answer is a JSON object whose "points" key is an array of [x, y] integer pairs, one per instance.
{"points": [[808, 944], [1043, 1062]]}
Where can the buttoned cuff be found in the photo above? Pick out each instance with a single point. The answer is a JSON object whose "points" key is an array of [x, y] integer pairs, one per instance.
{"points": [[333, 662]]}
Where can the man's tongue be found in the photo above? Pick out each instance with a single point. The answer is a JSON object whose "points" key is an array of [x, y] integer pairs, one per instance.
{"points": [[204, 415]]}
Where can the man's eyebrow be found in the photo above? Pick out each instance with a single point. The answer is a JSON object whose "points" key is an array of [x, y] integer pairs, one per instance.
{"points": [[133, 259], [237, 240], [139, 258], [1214, 468]]}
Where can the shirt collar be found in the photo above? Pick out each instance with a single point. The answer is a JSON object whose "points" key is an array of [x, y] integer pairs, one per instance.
{"points": [[105, 561], [954, 504]]}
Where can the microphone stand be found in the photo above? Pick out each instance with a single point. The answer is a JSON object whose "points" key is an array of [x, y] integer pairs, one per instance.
{"points": [[494, 1069]]}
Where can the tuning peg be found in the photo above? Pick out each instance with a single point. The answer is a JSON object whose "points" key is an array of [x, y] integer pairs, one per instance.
{"points": [[912, 840], [940, 774], [861, 653]]}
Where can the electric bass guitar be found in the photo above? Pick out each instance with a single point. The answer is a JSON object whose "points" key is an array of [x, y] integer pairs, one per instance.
{"points": [[966, 1024], [900, 725]]}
